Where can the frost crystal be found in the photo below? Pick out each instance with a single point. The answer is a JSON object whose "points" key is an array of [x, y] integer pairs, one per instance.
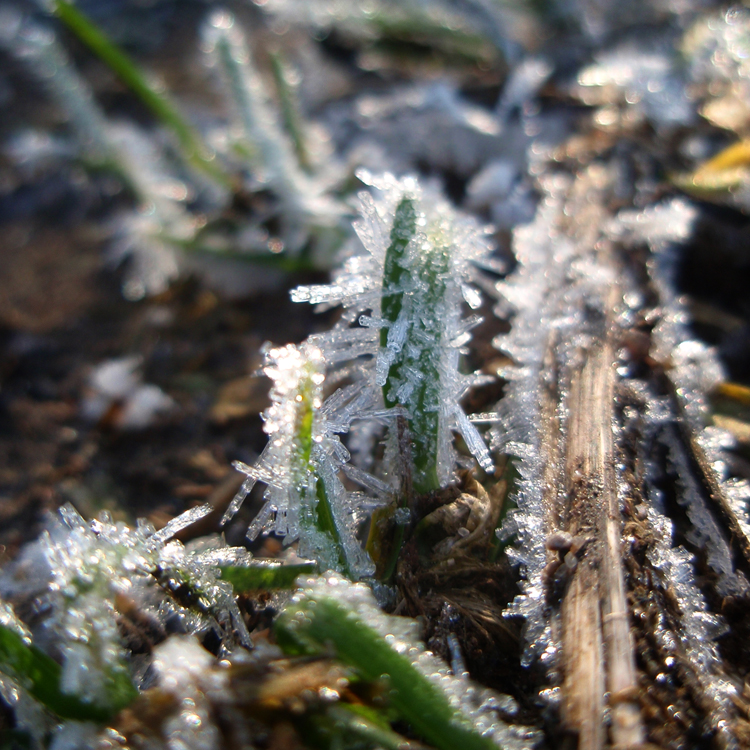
{"points": [[80, 575]]}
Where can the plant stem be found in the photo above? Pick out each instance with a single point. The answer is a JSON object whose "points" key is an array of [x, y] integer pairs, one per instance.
{"points": [[318, 512], [195, 151]]}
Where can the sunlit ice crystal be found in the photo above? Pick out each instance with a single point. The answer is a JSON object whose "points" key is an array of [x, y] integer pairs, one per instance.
{"points": [[305, 498], [75, 571], [407, 293], [187, 672]]}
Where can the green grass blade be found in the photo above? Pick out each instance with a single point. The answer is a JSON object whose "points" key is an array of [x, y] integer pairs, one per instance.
{"points": [[264, 575], [323, 624], [290, 111], [41, 676], [318, 513], [193, 148], [424, 403], [352, 723], [394, 275]]}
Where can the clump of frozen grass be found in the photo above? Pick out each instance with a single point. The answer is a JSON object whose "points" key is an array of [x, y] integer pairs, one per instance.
{"points": [[406, 294], [401, 335], [79, 574], [304, 207], [256, 117]]}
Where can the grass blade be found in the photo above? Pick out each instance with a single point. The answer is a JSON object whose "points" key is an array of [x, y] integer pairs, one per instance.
{"points": [[264, 575], [193, 148], [318, 624], [41, 676]]}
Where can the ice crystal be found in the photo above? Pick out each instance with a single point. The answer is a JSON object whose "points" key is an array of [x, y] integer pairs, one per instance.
{"points": [[388, 130], [699, 628], [406, 294], [117, 382], [500, 24], [694, 370], [185, 671], [643, 74], [543, 301]]}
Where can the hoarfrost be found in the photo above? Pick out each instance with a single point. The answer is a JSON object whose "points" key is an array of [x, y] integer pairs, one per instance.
{"points": [[185, 670], [480, 706], [425, 337], [303, 203], [77, 572], [303, 458]]}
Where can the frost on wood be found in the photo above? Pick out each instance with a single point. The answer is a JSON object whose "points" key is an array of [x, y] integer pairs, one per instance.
{"points": [[402, 307], [576, 301], [556, 419]]}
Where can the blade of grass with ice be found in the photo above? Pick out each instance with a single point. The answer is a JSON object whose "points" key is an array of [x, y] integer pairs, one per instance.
{"points": [[42, 677], [316, 623], [421, 286], [193, 148], [264, 575]]}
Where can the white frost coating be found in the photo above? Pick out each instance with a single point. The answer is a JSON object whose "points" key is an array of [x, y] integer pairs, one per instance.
{"points": [[304, 450], [225, 42], [358, 288], [481, 706], [302, 198], [648, 78], [36, 47], [8, 619], [542, 295], [29, 715], [700, 628], [695, 369], [75, 735]]}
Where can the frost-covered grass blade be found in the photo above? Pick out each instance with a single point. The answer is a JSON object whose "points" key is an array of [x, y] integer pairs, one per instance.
{"points": [[264, 575], [330, 613], [194, 150], [42, 677]]}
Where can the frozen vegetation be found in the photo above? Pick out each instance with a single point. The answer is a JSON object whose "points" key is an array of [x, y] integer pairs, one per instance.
{"points": [[593, 488]]}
